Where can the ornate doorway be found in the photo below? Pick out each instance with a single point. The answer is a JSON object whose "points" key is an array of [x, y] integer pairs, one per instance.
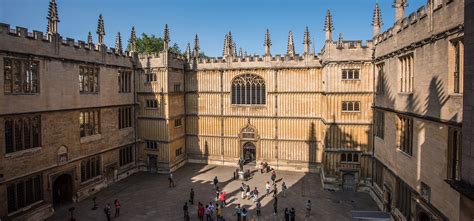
{"points": [[250, 152], [62, 190]]}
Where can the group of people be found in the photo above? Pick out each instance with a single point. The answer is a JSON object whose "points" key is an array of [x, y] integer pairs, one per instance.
{"points": [[107, 209]]}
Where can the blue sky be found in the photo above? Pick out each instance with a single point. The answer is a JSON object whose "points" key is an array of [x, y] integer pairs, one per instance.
{"points": [[210, 19]]}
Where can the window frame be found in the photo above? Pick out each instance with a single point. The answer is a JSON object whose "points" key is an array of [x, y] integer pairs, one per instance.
{"points": [[125, 117], [126, 156], [454, 154], [350, 106], [345, 74], [36, 183], [96, 122], [405, 126], [91, 168], [16, 76], [18, 125], [406, 63], [248, 90], [125, 81], [91, 77]]}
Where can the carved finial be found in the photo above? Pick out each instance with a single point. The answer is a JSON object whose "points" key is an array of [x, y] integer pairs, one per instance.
{"points": [[234, 46], [245, 54], [240, 52], [196, 47], [306, 41], [89, 40], [53, 18], [340, 43], [267, 43], [399, 6], [132, 42], [290, 51], [328, 26], [230, 44], [118, 44], [100, 30], [225, 49], [187, 53], [377, 20], [166, 37]]}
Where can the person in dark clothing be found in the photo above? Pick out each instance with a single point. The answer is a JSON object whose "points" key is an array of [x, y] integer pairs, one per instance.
{"points": [[117, 208], [216, 181], [107, 211], [185, 210], [259, 207], [292, 214], [275, 205], [287, 214], [191, 196]]}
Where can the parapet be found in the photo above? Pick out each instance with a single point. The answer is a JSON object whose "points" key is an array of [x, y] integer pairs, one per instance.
{"points": [[20, 40]]}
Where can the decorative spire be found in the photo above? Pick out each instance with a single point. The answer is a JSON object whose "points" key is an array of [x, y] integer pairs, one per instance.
{"points": [[377, 20], [53, 18], [196, 47], [226, 39], [267, 43], [245, 54], [340, 43], [240, 52], [234, 46], [230, 44], [89, 40], [132, 42], [291, 45], [118, 44], [328, 26], [399, 6], [100, 30], [306, 40], [187, 53], [166, 38]]}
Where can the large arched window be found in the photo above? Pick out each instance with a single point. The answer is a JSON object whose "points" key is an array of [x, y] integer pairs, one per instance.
{"points": [[248, 89]]}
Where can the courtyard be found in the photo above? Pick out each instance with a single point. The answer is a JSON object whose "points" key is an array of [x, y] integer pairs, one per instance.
{"points": [[147, 196]]}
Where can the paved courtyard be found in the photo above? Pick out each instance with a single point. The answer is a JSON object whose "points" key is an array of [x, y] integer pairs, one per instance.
{"points": [[146, 196]]}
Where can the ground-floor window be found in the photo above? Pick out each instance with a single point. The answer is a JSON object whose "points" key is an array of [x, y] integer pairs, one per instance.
{"points": [[378, 175], [90, 168], [126, 155], [403, 198], [24, 193]]}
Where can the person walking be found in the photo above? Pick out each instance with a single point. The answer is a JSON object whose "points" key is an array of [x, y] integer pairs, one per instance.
{"points": [[191, 197], [308, 208], [171, 180], [217, 193], [247, 192], [292, 214], [107, 211], [275, 189], [287, 214], [275, 205], [242, 190], [244, 214], [238, 212], [283, 189], [273, 177], [255, 195], [259, 207], [261, 167], [218, 212], [208, 214], [200, 211], [185, 210], [216, 181], [267, 188], [117, 208]]}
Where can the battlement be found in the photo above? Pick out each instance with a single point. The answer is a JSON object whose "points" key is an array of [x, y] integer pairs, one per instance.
{"points": [[353, 44], [20, 40], [256, 61], [417, 24]]}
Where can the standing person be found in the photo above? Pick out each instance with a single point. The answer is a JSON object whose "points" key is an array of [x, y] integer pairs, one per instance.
{"points": [[185, 210], [283, 188], [244, 214], [208, 214], [171, 180], [200, 211], [242, 190], [273, 177], [211, 208], [267, 188], [222, 199], [275, 205], [255, 195], [117, 208], [260, 166], [191, 196], [287, 214], [107, 211], [259, 207], [292, 214], [275, 189], [217, 193], [237, 212], [308, 208], [247, 192], [218, 212], [216, 181]]}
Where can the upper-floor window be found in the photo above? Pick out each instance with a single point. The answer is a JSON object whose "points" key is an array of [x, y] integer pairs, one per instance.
{"points": [[126, 155], [351, 106], [458, 71], [88, 79], [125, 81], [178, 151], [177, 87], [380, 89], [90, 122], [125, 117], [349, 157], [248, 89], [149, 77], [22, 133], [178, 122], [21, 76], [350, 74], [454, 154], [90, 168], [379, 123], [403, 198], [405, 134], [151, 144], [151, 103], [24, 192], [407, 73]]}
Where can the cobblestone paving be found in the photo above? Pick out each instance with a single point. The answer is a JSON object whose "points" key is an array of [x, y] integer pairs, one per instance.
{"points": [[146, 196]]}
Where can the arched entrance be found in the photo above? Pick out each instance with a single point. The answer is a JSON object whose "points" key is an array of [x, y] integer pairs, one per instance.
{"points": [[348, 182], [249, 153], [62, 190], [422, 216]]}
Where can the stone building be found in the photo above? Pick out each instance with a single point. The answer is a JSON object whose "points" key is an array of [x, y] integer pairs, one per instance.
{"points": [[80, 116]]}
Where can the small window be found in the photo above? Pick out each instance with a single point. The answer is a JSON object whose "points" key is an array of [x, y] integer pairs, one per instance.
{"points": [[405, 134], [178, 122], [350, 157], [89, 122], [379, 124], [380, 79], [407, 73], [350, 74], [126, 155], [88, 79], [21, 76], [350, 106], [454, 153], [151, 103], [178, 152], [125, 81], [177, 87], [458, 64], [125, 117], [90, 168], [152, 145]]}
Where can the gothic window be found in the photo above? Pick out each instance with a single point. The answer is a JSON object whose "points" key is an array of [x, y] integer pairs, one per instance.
{"points": [[403, 198], [22, 133], [151, 103], [350, 106], [88, 79], [24, 193], [458, 72], [380, 78], [407, 73], [125, 117], [126, 155], [90, 168], [21, 76], [379, 124], [405, 134], [454, 154], [90, 122], [125, 81], [248, 89]]}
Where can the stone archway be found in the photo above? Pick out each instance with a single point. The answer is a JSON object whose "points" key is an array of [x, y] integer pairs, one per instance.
{"points": [[62, 190], [249, 143], [249, 152]]}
